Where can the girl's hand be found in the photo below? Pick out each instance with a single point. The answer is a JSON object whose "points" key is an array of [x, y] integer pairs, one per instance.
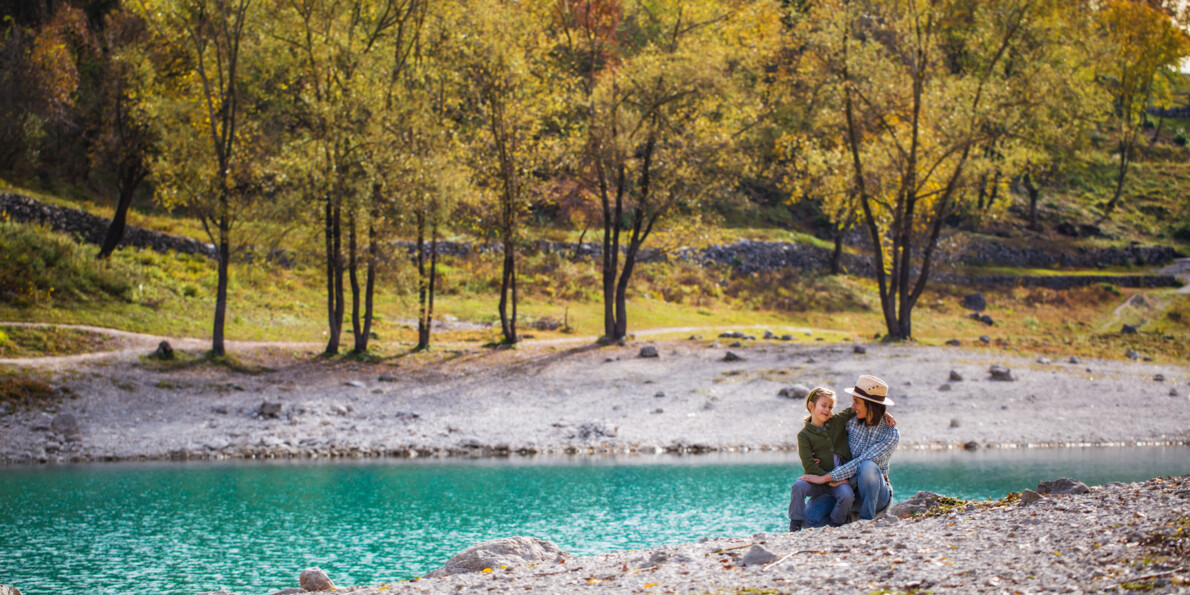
{"points": [[889, 420], [835, 484], [818, 479]]}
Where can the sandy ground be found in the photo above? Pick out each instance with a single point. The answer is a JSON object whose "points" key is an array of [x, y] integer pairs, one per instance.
{"points": [[578, 398]]}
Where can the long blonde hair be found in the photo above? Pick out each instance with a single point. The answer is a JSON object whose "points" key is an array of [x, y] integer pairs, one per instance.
{"points": [[819, 392]]}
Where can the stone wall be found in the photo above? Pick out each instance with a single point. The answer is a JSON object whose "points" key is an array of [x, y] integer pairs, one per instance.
{"points": [[987, 252]]}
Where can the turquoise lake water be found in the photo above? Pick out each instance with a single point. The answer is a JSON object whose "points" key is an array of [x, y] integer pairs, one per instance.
{"points": [[251, 528]]}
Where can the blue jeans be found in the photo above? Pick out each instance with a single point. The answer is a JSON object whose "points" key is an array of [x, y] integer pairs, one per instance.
{"points": [[840, 498], [872, 492]]}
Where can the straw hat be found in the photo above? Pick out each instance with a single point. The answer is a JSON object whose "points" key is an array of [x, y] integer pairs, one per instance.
{"points": [[870, 388]]}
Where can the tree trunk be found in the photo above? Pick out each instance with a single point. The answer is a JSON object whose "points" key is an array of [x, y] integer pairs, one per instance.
{"points": [[332, 345], [353, 278], [423, 334], [1034, 192], [508, 289], [128, 181], [578, 248], [1125, 148], [217, 348], [361, 343]]}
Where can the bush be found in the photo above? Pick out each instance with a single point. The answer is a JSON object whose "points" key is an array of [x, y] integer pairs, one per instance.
{"points": [[39, 267], [1179, 137]]}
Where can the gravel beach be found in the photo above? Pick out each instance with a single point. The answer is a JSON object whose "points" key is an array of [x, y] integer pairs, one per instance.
{"points": [[551, 398]]}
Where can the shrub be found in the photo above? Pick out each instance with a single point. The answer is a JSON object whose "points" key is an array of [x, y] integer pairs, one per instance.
{"points": [[38, 267], [1179, 137]]}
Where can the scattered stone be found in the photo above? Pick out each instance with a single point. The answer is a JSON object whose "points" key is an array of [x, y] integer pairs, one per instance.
{"points": [[796, 392], [268, 409], [884, 520], [732, 357], [649, 351], [695, 338], [65, 424], [731, 335], [590, 430], [660, 394], [407, 416], [757, 556], [611, 358], [1029, 497], [972, 445], [736, 344], [955, 376], [954, 422], [1173, 392], [859, 349], [769, 335], [1159, 377], [920, 503], [164, 351], [355, 383], [786, 337], [314, 579], [5, 408], [1001, 373], [985, 338], [1131, 354], [386, 378], [954, 343], [1063, 486], [1043, 360], [1074, 360], [1128, 329], [944, 387], [975, 301], [338, 410], [657, 410], [508, 551]]}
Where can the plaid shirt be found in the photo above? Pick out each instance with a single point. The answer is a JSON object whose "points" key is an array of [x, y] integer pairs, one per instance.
{"points": [[868, 443]]}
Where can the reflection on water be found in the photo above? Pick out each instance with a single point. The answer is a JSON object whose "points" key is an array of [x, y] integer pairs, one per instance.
{"points": [[252, 528]]}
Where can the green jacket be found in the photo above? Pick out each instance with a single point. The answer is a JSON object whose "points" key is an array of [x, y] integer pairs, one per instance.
{"points": [[824, 443]]}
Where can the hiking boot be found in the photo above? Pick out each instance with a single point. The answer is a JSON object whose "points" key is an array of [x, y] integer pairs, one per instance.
{"points": [[795, 526]]}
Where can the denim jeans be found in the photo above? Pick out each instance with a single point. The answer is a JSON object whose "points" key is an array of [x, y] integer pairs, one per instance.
{"points": [[840, 498], [871, 491]]}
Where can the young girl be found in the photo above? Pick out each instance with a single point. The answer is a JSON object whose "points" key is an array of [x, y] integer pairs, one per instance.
{"points": [[822, 444]]}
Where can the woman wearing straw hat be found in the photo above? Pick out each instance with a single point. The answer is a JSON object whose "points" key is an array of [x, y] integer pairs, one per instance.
{"points": [[872, 444]]}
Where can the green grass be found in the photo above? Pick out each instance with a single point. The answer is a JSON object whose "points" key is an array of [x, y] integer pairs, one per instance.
{"points": [[24, 342]]}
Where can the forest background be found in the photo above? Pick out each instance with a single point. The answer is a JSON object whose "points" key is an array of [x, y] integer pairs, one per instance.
{"points": [[302, 138]]}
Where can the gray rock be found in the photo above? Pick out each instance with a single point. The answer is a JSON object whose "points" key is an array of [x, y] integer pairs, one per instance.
{"points": [[268, 409], [1043, 360], [65, 424], [985, 338], [338, 410], [796, 392], [954, 342], [657, 411], [1131, 354], [731, 335], [407, 416], [1000, 373], [508, 551], [1159, 377], [695, 338], [885, 519], [386, 378], [1063, 486], [945, 387], [589, 430], [289, 591], [972, 446], [355, 383], [736, 344], [164, 351], [757, 556], [954, 422], [732, 357], [649, 351], [955, 376], [1173, 392], [314, 579], [975, 301], [1029, 497], [660, 394], [769, 335], [1074, 360], [859, 349], [622, 341], [920, 503], [786, 337], [5, 408], [1128, 329]]}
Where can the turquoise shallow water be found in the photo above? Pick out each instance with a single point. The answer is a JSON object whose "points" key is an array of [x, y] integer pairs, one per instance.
{"points": [[251, 528]]}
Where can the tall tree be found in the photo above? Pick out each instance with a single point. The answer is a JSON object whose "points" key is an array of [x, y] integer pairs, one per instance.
{"points": [[207, 52], [1142, 48]]}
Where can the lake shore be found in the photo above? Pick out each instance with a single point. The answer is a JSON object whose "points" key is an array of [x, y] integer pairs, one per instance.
{"points": [[1116, 538], [577, 399]]}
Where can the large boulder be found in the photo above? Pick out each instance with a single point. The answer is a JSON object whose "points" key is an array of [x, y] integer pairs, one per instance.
{"points": [[314, 579], [1064, 486], [1001, 373], [508, 551], [6, 590], [649, 351], [920, 503], [975, 302]]}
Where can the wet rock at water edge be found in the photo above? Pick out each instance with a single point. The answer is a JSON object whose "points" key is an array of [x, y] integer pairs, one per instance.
{"points": [[732, 357], [269, 410], [649, 351], [7, 590], [975, 302], [164, 351], [972, 446], [1128, 329], [1029, 497], [920, 503], [1065, 485], [65, 424], [955, 376], [796, 392], [314, 579], [757, 556], [1001, 373], [509, 552]]}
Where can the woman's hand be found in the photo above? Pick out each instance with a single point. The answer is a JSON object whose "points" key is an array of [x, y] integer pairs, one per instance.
{"points": [[889, 420], [818, 479]]}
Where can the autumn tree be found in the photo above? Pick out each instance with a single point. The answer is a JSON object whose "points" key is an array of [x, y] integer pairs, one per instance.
{"points": [[1142, 48], [656, 89]]}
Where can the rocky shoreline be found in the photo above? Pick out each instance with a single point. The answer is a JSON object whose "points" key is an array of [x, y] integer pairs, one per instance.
{"points": [[1073, 539]]}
